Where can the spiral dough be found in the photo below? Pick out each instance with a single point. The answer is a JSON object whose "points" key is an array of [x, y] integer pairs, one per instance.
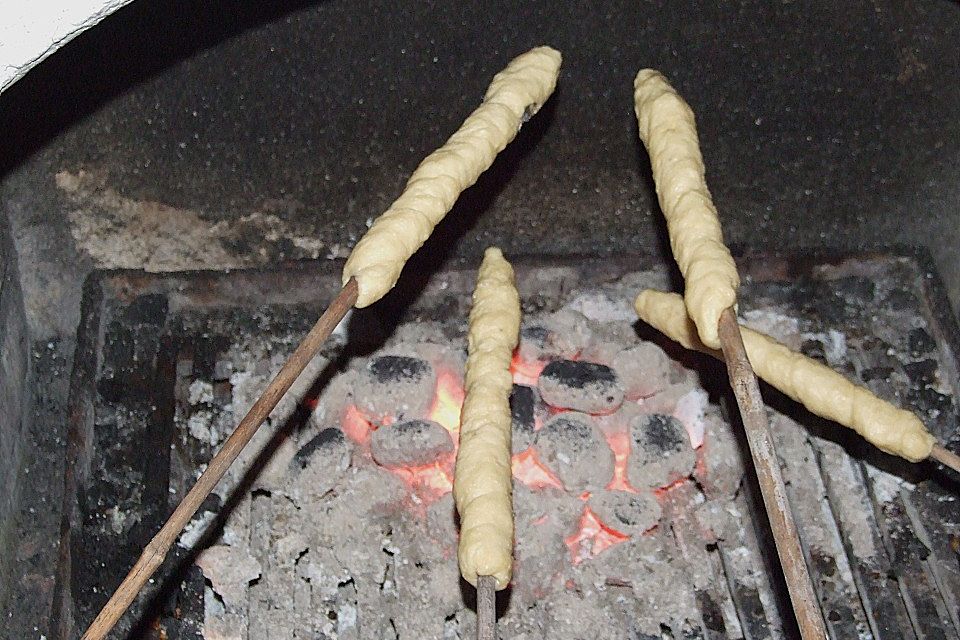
{"points": [[819, 388], [669, 132], [515, 93], [482, 484]]}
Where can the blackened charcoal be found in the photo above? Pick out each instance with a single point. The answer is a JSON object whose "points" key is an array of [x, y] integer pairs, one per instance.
{"points": [[573, 448], [523, 407], [920, 343], [319, 465], [536, 334], [581, 386], [330, 438], [921, 373], [393, 369], [660, 451], [629, 513], [398, 387], [410, 444]]}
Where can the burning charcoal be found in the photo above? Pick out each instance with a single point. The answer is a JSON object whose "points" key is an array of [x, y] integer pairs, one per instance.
{"points": [[643, 370], [396, 386], [581, 386], [630, 513], [523, 408], [660, 451], [410, 444], [318, 465], [572, 446]]}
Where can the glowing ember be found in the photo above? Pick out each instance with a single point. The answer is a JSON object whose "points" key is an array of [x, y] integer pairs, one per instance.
{"points": [[620, 444], [528, 469], [526, 372], [592, 538], [447, 402], [356, 426], [429, 482], [662, 492]]}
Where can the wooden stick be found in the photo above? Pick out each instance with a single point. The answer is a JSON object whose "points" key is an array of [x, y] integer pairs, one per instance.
{"points": [[486, 608], [757, 428], [945, 457], [155, 552]]}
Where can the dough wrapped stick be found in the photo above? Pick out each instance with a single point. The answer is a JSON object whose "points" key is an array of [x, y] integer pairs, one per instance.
{"points": [[819, 388], [482, 483], [515, 93], [669, 132]]}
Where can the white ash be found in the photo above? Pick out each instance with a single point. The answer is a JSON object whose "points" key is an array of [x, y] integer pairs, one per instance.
{"points": [[195, 529], [690, 411], [886, 486], [723, 459], [598, 305], [644, 370], [780, 327], [834, 346], [230, 570], [201, 391]]}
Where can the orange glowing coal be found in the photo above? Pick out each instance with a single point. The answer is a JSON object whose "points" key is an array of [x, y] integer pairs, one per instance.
{"points": [[661, 493], [355, 425], [619, 442], [526, 372], [447, 402], [430, 482], [528, 469], [592, 537]]}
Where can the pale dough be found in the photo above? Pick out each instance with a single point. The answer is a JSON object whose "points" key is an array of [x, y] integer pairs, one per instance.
{"points": [[669, 132], [820, 389], [482, 483], [515, 93]]}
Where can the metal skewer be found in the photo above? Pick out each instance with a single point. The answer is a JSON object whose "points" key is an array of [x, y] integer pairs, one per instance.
{"points": [[486, 608], [156, 551], [757, 428]]}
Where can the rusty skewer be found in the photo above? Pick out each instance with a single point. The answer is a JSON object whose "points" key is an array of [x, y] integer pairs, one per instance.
{"points": [[757, 428], [486, 608], [156, 551]]}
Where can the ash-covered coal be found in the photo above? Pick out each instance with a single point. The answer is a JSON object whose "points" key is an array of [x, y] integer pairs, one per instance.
{"points": [[631, 513], [318, 465], [410, 443], [571, 445], [396, 386], [581, 386], [660, 451]]}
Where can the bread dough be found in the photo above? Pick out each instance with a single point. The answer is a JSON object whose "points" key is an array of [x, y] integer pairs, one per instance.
{"points": [[515, 93], [482, 483], [669, 132], [819, 388]]}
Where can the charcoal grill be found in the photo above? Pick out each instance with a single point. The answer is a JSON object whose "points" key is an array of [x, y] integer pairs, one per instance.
{"points": [[879, 535]]}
